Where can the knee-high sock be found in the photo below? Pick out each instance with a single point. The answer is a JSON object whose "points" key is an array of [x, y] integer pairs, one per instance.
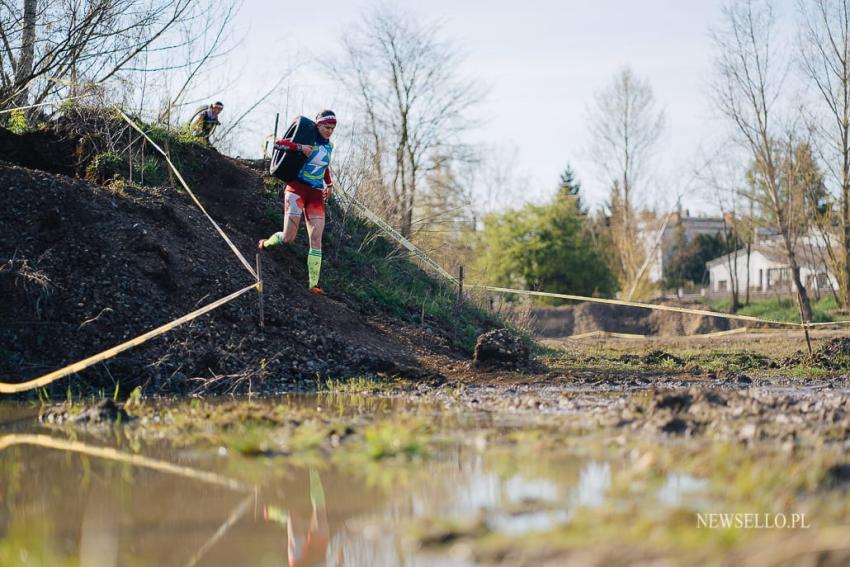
{"points": [[273, 240], [314, 266], [317, 491]]}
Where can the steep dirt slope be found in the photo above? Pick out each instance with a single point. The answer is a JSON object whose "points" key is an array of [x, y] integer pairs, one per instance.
{"points": [[83, 267]]}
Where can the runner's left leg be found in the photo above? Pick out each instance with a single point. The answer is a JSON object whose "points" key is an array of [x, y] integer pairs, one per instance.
{"points": [[292, 209]]}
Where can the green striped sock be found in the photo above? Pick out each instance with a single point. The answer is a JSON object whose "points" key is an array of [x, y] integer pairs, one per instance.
{"points": [[273, 240], [317, 491], [314, 266]]}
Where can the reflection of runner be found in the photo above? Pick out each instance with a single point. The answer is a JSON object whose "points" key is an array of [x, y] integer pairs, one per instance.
{"points": [[307, 548], [312, 547]]}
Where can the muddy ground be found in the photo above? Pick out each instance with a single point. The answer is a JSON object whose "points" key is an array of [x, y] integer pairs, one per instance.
{"points": [[749, 422]]}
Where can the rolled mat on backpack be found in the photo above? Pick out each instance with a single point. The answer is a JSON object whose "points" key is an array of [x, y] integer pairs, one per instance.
{"points": [[286, 164]]}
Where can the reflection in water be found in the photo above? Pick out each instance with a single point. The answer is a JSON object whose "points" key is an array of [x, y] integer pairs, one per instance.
{"points": [[99, 531], [307, 542], [594, 482], [74, 502], [678, 486]]}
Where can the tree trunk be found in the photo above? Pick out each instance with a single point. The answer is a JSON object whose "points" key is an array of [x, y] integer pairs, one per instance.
{"points": [[24, 67], [844, 285], [747, 290], [802, 294]]}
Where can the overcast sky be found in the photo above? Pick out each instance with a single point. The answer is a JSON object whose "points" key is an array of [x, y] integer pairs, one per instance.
{"points": [[542, 63]]}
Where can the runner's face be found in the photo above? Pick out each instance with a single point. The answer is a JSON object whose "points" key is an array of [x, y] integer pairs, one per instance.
{"points": [[216, 111], [326, 130]]}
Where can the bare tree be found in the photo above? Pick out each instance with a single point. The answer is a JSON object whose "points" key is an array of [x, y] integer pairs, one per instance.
{"points": [[78, 40], [748, 83], [825, 58], [722, 175], [625, 125], [412, 101]]}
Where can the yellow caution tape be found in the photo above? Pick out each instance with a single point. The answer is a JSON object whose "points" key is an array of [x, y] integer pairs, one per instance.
{"points": [[11, 388], [395, 235], [826, 324], [191, 194], [638, 304], [606, 334], [114, 455], [737, 331], [231, 520]]}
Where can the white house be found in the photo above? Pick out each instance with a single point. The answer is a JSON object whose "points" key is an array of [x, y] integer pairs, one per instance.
{"points": [[768, 269]]}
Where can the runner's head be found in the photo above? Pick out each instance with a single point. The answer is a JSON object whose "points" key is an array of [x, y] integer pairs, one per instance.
{"points": [[326, 122], [216, 108]]}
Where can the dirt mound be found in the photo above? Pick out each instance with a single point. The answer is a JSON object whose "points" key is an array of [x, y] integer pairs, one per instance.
{"points": [[84, 267], [500, 348], [588, 317], [834, 354], [555, 322], [44, 150], [671, 324]]}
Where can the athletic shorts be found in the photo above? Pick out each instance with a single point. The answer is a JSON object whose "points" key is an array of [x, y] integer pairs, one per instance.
{"points": [[300, 197]]}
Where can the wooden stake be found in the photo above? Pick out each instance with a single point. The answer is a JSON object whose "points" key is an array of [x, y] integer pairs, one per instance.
{"points": [[459, 286], [808, 339], [260, 292], [805, 326]]}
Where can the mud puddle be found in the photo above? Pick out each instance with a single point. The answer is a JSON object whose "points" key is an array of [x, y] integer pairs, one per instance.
{"points": [[349, 479]]}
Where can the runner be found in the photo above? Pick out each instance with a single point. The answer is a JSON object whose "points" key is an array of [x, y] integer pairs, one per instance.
{"points": [[205, 121], [307, 194]]}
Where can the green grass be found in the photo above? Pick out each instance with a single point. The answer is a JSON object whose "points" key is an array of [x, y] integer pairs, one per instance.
{"points": [[823, 310], [373, 275]]}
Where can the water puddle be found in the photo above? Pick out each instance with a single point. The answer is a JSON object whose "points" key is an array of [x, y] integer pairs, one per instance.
{"points": [[103, 496]]}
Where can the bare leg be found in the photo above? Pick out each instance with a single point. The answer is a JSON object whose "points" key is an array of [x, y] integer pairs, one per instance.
{"points": [[315, 229], [291, 546], [287, 235]]}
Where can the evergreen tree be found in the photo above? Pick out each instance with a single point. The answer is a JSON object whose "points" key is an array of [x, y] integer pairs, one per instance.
{"points": [[570, 187], [687, 264]]}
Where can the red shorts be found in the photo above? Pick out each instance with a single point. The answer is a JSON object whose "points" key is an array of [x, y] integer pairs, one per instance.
{"points": [[300, 197]]}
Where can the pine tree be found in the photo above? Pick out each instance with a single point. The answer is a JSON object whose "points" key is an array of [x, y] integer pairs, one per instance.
{"points": [[570, 187]]}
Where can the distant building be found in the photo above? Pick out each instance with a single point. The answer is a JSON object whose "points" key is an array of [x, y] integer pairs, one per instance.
{"points": [[768, 269], [680, 225]]}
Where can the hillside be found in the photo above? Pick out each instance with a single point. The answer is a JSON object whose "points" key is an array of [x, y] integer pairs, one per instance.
{"points": [[86, 264]]}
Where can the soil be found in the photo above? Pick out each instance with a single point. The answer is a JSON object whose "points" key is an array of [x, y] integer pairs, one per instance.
{"points": [[41, 150], [84, 267], [555, 322]]}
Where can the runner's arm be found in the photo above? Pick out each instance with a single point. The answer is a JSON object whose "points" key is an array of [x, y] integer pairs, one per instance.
{"points": [[329, 184], [288, 144]]}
